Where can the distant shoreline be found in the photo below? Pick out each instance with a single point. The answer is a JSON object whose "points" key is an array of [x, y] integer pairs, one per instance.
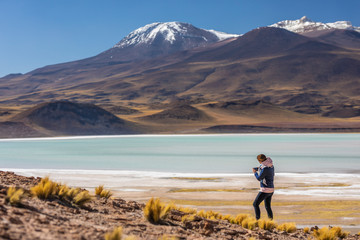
{"points": [[168, 135], [169, 174]]}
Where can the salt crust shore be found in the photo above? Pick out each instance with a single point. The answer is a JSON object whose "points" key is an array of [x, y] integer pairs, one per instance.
{"points": [[147, 184]]}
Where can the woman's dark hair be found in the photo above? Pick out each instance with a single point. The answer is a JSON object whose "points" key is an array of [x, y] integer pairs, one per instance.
{"points": [[261, 157]]}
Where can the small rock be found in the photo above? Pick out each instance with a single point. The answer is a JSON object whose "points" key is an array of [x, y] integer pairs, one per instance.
{"points": [[231, 232], [314, 228], [105, 211], [18, 213], [15, 220], [4, 235], [3, 210], [51, 204], [265, 237]]}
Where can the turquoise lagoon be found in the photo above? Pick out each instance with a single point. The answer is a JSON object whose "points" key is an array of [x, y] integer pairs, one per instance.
{"points": [[232, 153]]}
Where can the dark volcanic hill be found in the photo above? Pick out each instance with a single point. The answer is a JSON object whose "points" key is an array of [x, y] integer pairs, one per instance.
{"points": [[68, 118], [10, 129], [182, 112]]}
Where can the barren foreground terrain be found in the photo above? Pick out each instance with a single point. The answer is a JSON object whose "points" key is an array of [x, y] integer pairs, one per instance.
{"points": [[56, 219]]}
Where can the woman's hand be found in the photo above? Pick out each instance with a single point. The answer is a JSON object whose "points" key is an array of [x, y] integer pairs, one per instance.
{"points": [[254, 170]]}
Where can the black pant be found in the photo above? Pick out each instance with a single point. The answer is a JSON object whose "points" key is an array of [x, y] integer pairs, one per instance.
{"points": [[259, 198]]}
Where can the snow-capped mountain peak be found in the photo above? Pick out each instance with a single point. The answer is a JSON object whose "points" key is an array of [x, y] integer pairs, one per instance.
{"points": [[305, 19], [170, 32], [305, 24]]}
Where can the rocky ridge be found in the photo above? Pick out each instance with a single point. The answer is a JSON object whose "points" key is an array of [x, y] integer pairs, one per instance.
{"points": [[304, 25]]}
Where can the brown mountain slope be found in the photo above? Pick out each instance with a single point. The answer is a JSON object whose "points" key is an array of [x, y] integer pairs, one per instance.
{"points": [[340, 37], [259, 42]]}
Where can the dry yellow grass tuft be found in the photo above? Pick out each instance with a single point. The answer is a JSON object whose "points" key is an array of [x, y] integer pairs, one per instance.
{"points": [[73, 192], [240, 218], [101, 192], [116, 234], [82, 198], [155, 211], [332, 233], [209, 215], [188, 218], [98, 190], [232, 220], [185, 210], [106, 194], [14, 196], [229, 218], [339, 232], [62, 191], [249, 223], [45, 189], [266, 224], [287, 227]]}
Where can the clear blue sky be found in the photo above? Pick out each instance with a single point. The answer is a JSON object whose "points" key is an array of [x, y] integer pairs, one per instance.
{"points": [[35, 33]]}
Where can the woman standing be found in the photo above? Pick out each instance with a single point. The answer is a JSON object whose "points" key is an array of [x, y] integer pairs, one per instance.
{"points": [[265, 174]]}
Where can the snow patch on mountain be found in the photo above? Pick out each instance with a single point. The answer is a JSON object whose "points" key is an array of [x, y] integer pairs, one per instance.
{"points": [[170, 31], [304, 25], [222, 35]]}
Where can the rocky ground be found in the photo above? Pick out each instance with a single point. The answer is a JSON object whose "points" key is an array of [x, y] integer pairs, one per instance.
{"points": [[55, 219]]}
